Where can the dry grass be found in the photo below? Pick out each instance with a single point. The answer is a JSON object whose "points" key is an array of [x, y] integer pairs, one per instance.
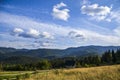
{"points": [[93, 73]]}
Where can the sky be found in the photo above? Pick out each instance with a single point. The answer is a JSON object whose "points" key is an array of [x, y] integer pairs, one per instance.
{"points": [[59, 24]]}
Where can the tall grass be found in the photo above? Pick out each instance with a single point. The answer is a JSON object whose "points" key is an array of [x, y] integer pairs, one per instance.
{"points": [[93, 73]]}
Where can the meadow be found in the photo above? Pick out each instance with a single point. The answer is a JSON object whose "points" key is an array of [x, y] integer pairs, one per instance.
{"points": [[92, 73]]}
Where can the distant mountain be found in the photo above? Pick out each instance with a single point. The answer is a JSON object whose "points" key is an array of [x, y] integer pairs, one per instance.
{"points": [[25, 55], [90, 50]]}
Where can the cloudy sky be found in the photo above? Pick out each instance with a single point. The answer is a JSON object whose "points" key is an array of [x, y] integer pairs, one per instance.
{"points": [[59, 23]]}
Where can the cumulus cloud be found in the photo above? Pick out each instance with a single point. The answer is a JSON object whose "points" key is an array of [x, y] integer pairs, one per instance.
{"points": [[47, 35], [32, 33], [95, 11], [62, 14], [76, 35], [17, 31], [59, 32]]}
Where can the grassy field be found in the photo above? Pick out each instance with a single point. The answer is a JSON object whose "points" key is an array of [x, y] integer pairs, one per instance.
{"points": [[93, 73], [15, 75]]}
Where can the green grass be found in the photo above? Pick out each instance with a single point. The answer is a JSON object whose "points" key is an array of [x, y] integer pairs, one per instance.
{"points": [[15, 75]]}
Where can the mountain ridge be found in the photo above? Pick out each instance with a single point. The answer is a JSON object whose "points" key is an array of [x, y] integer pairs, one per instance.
{"points": [[7, 53]]}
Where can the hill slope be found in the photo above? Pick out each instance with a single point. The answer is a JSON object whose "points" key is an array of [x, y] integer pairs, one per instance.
{"points": [[33, 54]]}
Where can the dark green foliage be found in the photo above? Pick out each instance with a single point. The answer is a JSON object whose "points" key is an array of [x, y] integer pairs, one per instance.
{"points": [[118, 56], [70, 63], [113, 57], [77, 65], [26, 56], [44, 64], [97, 60], [27, 75], [108, 58], [18, 77], [1, 67], [58, 63]]}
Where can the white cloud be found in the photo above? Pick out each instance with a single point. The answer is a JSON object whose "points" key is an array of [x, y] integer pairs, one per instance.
{"points": [[44, 44], [95, 11], [27, 23], [115, 15], [76, 35], [59, 13], [47, 35], [60, 33], [33, 33], [85, 2], [18, 30]]}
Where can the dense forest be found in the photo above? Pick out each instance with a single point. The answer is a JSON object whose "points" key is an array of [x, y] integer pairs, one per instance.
{"points": [[109, 57]]}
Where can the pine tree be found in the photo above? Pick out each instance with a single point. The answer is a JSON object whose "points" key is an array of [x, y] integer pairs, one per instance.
{"points": [[118, 56], [107, 57], [97, 60], [113, 57], [1, 67]]}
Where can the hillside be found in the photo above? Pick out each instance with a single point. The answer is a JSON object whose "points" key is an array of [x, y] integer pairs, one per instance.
{"points": [[12, 54]]}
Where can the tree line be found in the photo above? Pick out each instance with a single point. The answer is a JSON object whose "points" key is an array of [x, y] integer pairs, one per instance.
{"points": [[107, 58]]}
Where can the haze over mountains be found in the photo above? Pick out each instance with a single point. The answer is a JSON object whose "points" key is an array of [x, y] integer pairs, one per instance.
{"points": [[12, 55]]}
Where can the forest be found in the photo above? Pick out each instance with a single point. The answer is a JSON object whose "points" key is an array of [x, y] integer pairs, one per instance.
{"points": [[109, 57]]}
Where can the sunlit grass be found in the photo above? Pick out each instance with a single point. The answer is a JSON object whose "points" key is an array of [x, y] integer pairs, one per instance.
{"points": [[92, 73]]}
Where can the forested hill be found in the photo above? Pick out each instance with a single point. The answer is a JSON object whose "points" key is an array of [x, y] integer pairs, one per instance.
{"points": [[7, 53]]}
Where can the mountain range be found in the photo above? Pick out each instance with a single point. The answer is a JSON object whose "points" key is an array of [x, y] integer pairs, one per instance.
{"points": [[12, 55]]}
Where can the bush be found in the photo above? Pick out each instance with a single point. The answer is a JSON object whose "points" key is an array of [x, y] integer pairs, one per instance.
{"points": [[18, 77], [86, 65], [27, 75], [57, 72]]}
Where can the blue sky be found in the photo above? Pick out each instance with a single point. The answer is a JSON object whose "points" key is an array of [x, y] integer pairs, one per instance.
{"points": [[59, 23]]}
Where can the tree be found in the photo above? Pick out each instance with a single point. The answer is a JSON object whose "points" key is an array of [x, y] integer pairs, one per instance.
{"points": [[70, 63], [113, 57], [1, 67], [58, 63], [44, 64], [107, 57], [77, 64], [97, 60], [118, 56]]}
